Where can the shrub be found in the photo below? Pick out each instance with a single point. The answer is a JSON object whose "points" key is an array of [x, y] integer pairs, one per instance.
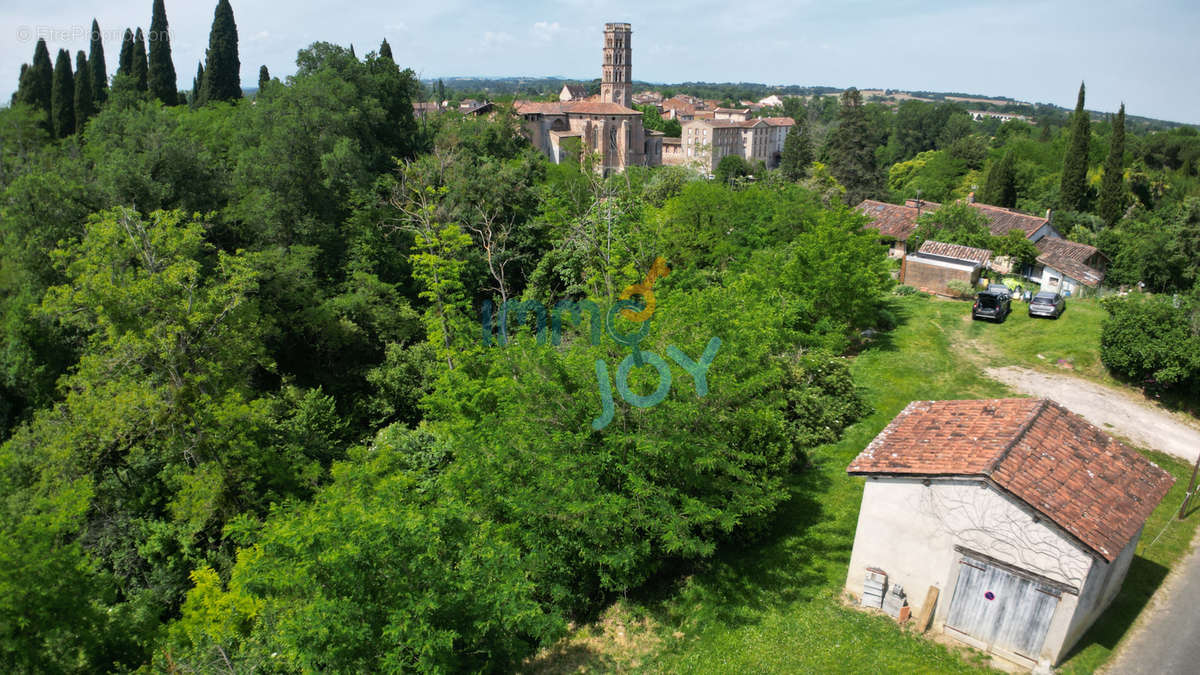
{"points": [[961, 289]]}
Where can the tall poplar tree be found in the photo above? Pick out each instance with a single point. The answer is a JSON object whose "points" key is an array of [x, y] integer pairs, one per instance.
{"points": [[125, 60], [22, 85], [163, 84], [1112, 186], [1073, 188], [264, 76], [385, 50], [85, 105], [222, 68], [63, 96], [140, 69], [97, 66], [1001, 186]]}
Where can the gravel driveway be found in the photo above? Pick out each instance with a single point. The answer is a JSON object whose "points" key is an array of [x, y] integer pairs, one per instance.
{"points": [[1115, 411]]}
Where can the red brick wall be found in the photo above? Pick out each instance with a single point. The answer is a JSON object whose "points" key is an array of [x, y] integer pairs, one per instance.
{"points": [[933, 278]]}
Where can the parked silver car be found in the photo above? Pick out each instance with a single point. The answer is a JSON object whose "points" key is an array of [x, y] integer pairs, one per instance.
{"points": [[1047, 304]]}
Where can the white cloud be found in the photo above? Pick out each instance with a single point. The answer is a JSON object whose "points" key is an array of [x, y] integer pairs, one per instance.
{"points": [[492, 39], [261, 35], [545, 30], [399, 27]]}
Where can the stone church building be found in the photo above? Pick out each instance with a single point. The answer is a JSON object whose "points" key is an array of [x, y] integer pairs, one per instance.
{"points": [[608, 127]]}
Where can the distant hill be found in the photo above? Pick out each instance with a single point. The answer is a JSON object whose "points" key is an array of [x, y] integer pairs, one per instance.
{"points": [[505, 87]]}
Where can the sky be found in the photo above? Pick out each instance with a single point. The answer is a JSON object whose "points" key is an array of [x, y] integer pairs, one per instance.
{"points": [[1142, 54]]}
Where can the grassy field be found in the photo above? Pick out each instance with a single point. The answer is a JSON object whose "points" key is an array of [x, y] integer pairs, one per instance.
{"points": [[774, 605]]}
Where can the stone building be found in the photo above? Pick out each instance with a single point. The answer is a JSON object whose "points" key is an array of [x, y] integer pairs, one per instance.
{"points": [[1011, 523], [608, 128], [706, 141]]}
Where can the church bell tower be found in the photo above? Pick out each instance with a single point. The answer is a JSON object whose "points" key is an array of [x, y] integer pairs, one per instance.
{"points": [[616, 83]]}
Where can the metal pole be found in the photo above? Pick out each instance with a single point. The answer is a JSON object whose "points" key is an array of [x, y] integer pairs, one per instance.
{"points": [[1187, 498]]}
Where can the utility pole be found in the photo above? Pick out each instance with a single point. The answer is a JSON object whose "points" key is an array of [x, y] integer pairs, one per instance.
{"points": [[1187, 498]]}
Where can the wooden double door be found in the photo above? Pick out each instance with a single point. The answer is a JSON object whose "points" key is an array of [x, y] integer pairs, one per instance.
{"points": [[1001, 609]]}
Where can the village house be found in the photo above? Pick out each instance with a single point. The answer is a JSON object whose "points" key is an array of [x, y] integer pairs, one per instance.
{"points": [[1009, 524], [572, 92], [936, 264], [1068, 267], [896, 223]]}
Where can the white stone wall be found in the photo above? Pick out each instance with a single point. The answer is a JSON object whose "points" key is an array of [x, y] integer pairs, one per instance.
{"points": [[909, 530]]}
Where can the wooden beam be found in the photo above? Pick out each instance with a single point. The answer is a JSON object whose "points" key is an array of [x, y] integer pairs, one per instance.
{"points": [[931, 597]]}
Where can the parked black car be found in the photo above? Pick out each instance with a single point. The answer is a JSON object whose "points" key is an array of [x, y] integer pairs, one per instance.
{"points": [[1047, 304], [992, 305]]}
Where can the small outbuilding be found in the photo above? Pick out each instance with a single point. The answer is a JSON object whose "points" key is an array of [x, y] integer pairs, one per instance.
{"points": [[936, 264], [1018, 516]]}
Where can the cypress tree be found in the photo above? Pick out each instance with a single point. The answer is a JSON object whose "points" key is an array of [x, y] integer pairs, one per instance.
{"points": [[198, 85], [222, 69], [264, 76], [85, 106], [1073, 188], [161, 71], [63, 96], [125, 60], [1112, 186], [352, 54], [140, 67], [797, 153], [23, 83], [39, 92], [1001, 186], [97, 66], [385, 51], [852, 151]]}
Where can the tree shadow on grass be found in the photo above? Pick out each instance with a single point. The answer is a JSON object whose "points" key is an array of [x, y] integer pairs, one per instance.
{"points": [[786, 561], [1143, 579], [895, 314]]}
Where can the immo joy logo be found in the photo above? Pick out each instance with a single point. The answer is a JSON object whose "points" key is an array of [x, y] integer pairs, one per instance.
{"points": [[629, 309]]}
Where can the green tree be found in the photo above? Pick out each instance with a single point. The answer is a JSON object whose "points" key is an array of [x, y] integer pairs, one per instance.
{"points": [[99, 69], [1001, 186], [1112, 187], [125, 59], [851, 150], [264, 76], [797, 151], [63, 96], [140, 72], [956, 223], [1152, 340], [83, 102], [37, 86], [385, 50], [222, 67], [731, 168], [1073, 186], [161, 69], [197, 85]]}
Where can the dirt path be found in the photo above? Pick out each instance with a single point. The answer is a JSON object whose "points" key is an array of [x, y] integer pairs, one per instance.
{"points": [[1110, 409]]}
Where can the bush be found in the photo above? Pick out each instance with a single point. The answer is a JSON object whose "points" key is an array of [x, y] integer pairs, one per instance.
{"points": [[903, 290], [1152, 340], [961, 289]]}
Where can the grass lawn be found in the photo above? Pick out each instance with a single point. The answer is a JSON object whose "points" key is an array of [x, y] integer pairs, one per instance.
{"points": [[1041, 343], [773, 605]]}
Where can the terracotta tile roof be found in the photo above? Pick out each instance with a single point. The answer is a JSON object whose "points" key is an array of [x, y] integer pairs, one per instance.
{"points": [[1086, 482], [944, 250], [1001, 220], [892, 220], [779, 121], [1069, 257], [577, 107], [744, 111]]}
